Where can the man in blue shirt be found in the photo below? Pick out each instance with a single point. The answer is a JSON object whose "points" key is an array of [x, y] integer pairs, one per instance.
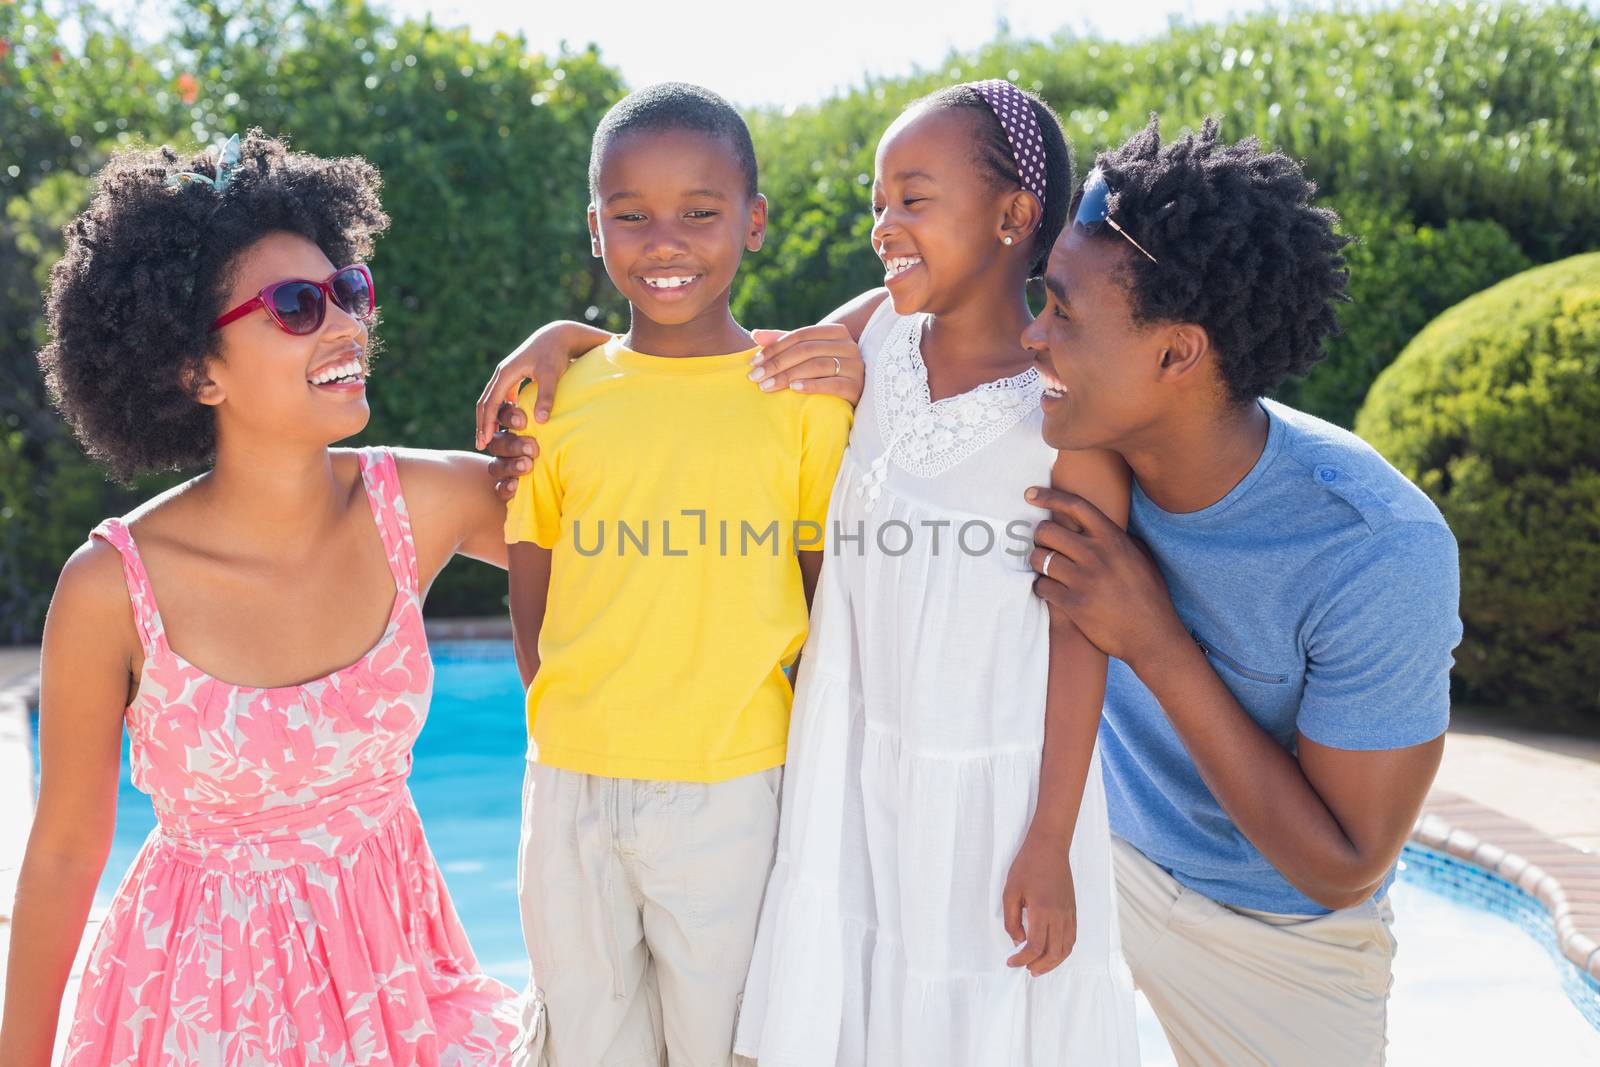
{"points": [[1281, 612]]}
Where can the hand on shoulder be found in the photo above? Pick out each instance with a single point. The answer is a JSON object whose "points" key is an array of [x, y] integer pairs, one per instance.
{"points": [[823, 359]]}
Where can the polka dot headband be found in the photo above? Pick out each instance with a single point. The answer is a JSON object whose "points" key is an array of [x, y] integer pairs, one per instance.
{"points": [[1015, 112]]}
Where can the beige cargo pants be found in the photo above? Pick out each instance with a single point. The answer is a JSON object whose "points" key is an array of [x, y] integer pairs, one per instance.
{"points": [[639, 908], [1240, 988]]}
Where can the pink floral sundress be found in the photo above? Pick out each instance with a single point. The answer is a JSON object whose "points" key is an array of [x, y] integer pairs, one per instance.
{"points": [[286, 909]]}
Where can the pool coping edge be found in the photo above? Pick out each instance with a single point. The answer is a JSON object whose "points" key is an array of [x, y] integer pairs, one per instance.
{"points": [[1564, 880]]}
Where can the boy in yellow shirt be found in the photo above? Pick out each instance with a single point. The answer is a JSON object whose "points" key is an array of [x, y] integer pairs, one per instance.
{"points": [[664, 551]]}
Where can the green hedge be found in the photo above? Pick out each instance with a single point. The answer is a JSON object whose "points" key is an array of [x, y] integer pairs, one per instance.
{"points": [[1494, 410], [1437, 112], [1401, 276], [1462, 142]]}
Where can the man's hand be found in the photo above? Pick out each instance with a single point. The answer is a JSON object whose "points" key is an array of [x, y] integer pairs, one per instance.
{"points": [[1040, 905], [1101, 579]]}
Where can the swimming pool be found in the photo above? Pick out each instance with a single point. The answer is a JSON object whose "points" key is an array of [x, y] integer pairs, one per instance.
{"points": [[1475, 978]]}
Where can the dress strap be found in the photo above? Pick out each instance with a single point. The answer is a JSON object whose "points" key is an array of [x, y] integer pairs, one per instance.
{"points": [[146, 617], [381, 477]]}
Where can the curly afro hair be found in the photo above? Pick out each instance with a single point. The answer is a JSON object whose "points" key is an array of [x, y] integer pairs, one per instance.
{"points": [[146, 270], [1242, 251], [993, 153]]}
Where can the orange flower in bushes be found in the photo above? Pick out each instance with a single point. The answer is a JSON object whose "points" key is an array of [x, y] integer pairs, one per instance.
{"points": [[188, 88]]}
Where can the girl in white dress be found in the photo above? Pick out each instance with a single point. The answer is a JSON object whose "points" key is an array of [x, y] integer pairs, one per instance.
{"points": [[943, 892]]}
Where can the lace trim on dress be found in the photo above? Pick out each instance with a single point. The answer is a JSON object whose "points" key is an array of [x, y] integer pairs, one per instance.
{"points": [[924, 437]]}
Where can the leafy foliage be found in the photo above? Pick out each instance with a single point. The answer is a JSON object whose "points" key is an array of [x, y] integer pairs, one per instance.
{"points": [[1462, 141], [1494, 410]]}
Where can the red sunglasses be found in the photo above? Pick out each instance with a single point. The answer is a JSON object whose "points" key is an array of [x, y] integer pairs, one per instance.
{"points": [[299, 306]]}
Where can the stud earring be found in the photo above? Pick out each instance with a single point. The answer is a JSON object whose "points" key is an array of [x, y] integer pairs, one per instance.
{"points": [[1006, 239]]}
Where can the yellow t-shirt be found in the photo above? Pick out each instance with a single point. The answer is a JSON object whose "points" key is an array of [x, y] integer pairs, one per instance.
{"points": [[673, 493]]}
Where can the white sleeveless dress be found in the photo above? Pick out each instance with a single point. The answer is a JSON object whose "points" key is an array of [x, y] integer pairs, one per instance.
{"points": [[914, 753]]}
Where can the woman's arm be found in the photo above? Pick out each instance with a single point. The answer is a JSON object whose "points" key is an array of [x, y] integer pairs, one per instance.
{"points": [[1040, 881], [450, 513], [89, 643]]}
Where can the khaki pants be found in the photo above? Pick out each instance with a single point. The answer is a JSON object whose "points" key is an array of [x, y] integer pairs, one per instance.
{"points": [[639, 908], [1237, 988]]}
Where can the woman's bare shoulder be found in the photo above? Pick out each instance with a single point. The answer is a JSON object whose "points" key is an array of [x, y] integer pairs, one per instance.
{"points": [[434, 471], [91, 596]]}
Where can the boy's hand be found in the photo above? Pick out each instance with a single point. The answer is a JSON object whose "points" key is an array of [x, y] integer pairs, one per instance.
{"points": [[813, 359], [1040, 885], [544, 358], [514, 454]]}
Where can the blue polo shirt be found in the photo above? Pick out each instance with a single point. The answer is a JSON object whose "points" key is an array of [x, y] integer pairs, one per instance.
{"points": [[1324, 589]]}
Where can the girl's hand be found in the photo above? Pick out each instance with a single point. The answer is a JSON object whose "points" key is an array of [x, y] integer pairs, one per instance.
{"points": [[544, 358], [813, 359], [1040, 905]]}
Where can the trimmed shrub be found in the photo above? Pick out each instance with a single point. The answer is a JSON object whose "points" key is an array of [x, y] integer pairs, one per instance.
{"points": [[1494, 410], [1401, 276]]}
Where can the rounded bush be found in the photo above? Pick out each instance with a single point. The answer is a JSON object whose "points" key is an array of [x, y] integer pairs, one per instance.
{"points": [[1494, 410], [1401, 275]]}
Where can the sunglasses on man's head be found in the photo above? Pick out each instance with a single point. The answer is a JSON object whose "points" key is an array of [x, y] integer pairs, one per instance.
{"points": [[1094, 207], [299, 306]]}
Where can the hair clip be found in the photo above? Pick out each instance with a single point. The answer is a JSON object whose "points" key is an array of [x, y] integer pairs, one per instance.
{"points": [[224, 159]]}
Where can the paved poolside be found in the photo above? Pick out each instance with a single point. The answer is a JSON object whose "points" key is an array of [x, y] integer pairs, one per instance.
{"points": [[1549, 781]]}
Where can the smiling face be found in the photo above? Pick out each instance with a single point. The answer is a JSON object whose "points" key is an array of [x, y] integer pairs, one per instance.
{"points": [[309, 388], [1103, 372], [937, 218], [672, 218]]}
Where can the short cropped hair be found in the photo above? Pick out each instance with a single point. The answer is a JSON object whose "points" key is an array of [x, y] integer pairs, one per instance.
{"points": [[674, 106]]}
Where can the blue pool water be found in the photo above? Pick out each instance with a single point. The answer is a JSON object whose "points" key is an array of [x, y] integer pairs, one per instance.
{"points": [[1471, 947]]}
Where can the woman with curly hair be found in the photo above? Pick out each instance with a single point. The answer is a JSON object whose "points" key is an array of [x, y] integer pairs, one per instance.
{"points": [[259, 631]]}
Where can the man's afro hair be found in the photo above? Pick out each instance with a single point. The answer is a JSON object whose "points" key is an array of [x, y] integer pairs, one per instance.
{"points": [[1242, 250]]}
